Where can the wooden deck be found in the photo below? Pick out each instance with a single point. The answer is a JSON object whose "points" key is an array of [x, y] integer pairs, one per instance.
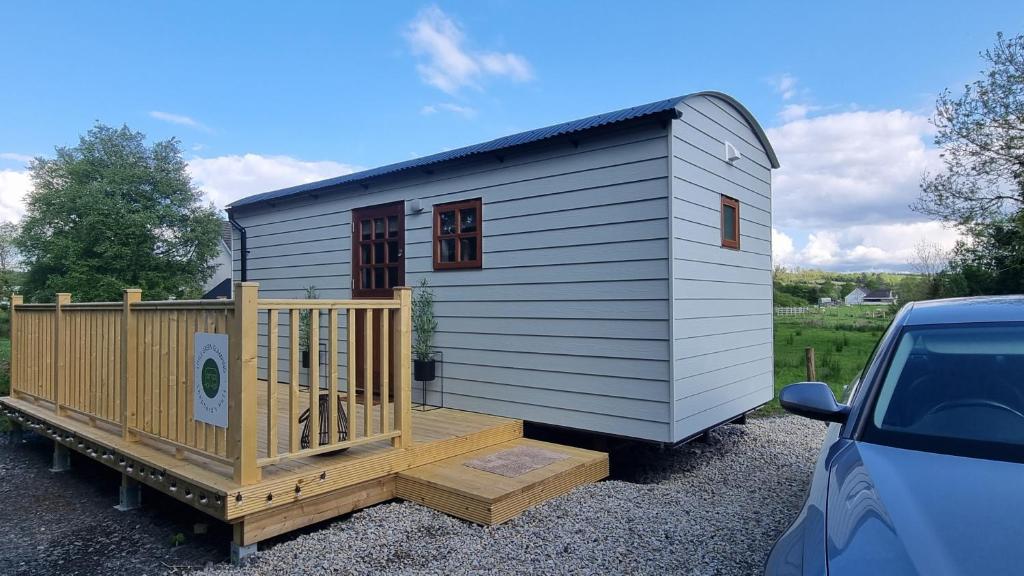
{"points": [[437, 435], [115, 381]]}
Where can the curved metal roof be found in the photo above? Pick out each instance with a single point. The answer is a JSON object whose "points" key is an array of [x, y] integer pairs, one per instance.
{"points": [[574, 126]]}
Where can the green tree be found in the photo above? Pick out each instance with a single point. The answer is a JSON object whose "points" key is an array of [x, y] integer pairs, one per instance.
{"points": [[8, 256], [114, 212], [981, 133]]}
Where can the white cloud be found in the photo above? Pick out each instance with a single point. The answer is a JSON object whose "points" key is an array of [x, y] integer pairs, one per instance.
{"points": [[464, 111], [180, 120], [14, 185], [445, 61], [15, 157], [792, 112], [228, 178], [850, 168], [785, 85], [865, 247]]}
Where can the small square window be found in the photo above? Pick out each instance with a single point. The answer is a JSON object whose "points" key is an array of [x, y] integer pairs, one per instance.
{"points": [[458, 235], [730, 223]]}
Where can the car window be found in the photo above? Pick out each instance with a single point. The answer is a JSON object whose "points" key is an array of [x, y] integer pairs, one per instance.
{"points": [[954, 389]]}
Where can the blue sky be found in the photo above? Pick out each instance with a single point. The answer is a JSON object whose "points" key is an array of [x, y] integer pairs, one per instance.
{"points": [[265, 94]]}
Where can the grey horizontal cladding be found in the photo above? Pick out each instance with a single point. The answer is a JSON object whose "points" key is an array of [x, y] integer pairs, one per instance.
{"points": [[685, 367], [693, 195], [614, 149], [703, 234], [743, 171], [573, 298], [701, 252], [608, 348], [600, 272], [754, 193], [714, 406], [605, 234], [611, 309], [330, 257], [586, 254], [576, 401], [650, 229], [697, 383], [593, 365], [709, 134], [570, 328], [653, 390], [713, 272], [702, 289], [696, 346], [711, 219], [707, 326], [723, 115], [608, 424]]}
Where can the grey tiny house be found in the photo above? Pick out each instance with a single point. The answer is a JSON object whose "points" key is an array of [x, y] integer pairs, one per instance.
{"points": [[610, 274]]}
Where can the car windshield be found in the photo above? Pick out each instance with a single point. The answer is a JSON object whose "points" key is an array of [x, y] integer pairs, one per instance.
{"points": [[956, 390]]}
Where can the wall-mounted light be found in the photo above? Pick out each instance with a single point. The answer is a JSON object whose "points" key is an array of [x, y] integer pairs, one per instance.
{"points": [[416, 205], [731, 153]]}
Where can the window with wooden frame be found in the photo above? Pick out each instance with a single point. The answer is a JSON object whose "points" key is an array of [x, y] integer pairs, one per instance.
{"points": [[458, 235], [730, 223]]}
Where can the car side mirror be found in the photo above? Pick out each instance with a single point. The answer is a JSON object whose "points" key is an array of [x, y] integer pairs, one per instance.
{"points": [[813, 400]]}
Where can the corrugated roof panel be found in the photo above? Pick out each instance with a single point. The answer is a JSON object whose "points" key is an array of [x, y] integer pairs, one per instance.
{"points": [[507, 142], [490, 146]]}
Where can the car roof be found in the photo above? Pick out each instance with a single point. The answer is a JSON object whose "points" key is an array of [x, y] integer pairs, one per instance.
{"points": [[961, 310]]}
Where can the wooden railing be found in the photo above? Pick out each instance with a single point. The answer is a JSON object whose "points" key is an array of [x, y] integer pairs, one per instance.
{"points": [[130, 364]]}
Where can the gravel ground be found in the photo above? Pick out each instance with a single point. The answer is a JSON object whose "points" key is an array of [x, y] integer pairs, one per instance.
{"points": [[713, 508], [65, 524]]}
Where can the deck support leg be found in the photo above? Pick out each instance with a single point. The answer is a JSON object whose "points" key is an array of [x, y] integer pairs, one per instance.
{"points": [[61, 458], [131, 494], [241, 552], [16, 434], [741, 420]]}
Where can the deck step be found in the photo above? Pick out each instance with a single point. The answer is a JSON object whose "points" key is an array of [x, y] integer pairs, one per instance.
{"points": [[490, 498]]}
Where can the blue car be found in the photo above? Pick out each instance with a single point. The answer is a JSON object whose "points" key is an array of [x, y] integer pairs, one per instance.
{"points": [[922, 470]]}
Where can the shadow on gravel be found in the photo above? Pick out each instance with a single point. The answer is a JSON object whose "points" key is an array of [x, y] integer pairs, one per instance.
{"points": [[65, 523], [642, 462]]}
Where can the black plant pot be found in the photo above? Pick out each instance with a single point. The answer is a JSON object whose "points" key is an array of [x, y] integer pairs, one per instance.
{"points": [[424, 370], [305, 358]]}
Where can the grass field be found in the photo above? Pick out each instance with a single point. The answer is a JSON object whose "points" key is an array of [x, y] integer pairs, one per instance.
{"points": [[842, 338]]}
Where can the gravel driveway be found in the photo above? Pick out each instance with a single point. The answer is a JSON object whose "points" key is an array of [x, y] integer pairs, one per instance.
{"points": [[699, 509], [65, 524]]}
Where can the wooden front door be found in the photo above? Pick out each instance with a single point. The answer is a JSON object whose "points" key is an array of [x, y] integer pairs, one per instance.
{"points": [[378, 266]]}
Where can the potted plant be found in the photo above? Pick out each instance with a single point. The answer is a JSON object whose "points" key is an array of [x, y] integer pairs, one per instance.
{"points": [[311, 294], [424, 325]]}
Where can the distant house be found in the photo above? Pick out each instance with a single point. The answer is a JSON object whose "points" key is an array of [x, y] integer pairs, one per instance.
{"points": [[861, 295], [825, 302], [219, 285], [880, 296], [857, 296]]}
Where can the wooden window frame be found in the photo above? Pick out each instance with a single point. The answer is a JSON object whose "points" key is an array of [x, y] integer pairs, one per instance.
{"points": [[458, 264], [371, 213], [733, 244]]}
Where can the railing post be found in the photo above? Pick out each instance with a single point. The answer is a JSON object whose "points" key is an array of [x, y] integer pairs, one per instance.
{"points": [[129, 357], [403, 369], [242, 424], [58, 353], [16, 300]]}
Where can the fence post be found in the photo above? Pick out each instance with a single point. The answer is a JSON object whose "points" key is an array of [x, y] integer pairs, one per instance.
{"points": [[812, 375], [403, 367], [16, 300], [242, 424], [129, 357], [58, 352]]}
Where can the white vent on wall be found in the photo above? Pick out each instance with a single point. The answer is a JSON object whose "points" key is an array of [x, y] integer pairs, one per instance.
{"points": [[731, 153]]}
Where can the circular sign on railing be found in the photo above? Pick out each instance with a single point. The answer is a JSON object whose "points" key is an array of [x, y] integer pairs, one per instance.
{"points": [[211, 379]]}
